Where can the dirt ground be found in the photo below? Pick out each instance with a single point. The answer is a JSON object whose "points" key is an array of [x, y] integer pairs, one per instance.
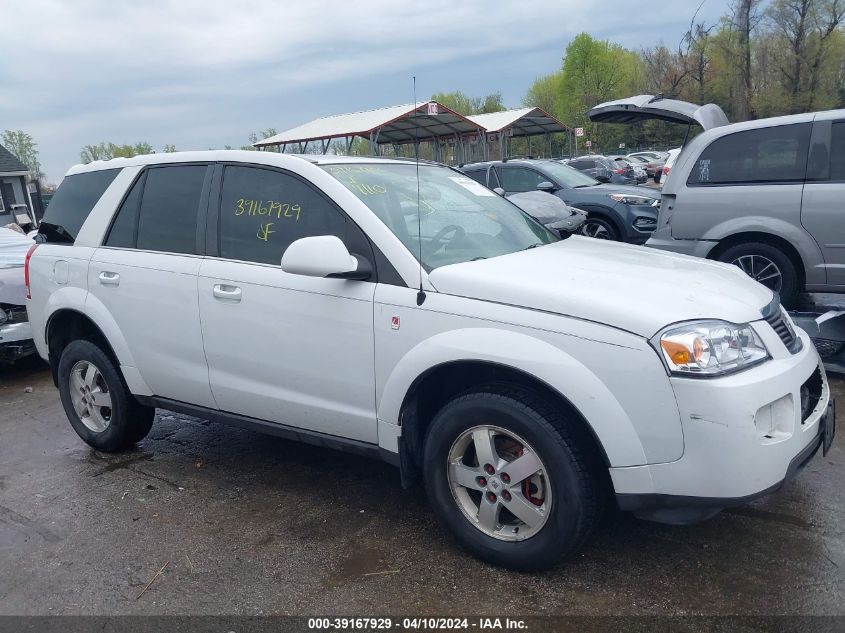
{"points": [[241, 523]]}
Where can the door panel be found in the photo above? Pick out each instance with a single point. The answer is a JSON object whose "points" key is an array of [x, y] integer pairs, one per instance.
{"points": [[153, 299], [822, 212], [290, 349]]}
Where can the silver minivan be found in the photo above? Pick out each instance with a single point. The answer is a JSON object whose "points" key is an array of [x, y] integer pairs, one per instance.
{"points": [[766, 195]]}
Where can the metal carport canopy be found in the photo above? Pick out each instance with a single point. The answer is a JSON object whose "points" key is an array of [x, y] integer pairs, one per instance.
{"points": [[523, 122], [394, 124]]}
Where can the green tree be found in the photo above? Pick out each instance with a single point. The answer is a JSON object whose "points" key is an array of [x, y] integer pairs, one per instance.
{"points": [[254, 137], [467, 106], [25, 148], [107, 151]]}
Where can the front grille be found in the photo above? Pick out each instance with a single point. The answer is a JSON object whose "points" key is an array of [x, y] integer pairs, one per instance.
{"points": [[773, 313], [811, 393]]}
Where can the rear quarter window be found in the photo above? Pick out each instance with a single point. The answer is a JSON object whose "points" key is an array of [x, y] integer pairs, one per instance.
{"points": [[768, 155], [72, 203]]}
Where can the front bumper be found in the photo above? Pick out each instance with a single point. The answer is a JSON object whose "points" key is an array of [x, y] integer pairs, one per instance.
{"points": [[744, 436], [16, 341]]}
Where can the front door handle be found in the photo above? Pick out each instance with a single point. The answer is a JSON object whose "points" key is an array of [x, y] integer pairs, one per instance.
{"points": [[109, 278], [227, 293]]}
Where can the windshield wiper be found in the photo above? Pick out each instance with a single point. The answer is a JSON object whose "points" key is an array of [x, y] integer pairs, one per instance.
{"points": [[535, 245]]}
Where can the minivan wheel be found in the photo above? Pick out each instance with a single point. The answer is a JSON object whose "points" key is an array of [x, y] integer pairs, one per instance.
{"points": [[512, 479], [767, 265], [599, 228], [98, 404]]}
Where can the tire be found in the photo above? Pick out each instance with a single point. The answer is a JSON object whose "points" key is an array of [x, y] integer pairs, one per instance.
{"points": [[107, 428], [599, 228], [758, 259], [571, 490]]}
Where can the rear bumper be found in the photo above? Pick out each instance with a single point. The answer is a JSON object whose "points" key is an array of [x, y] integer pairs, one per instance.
{"points": [[662, 239], [682, 510]]}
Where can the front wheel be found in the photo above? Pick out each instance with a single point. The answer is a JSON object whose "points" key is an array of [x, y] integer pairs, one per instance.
{"points": [[599, 228], [767, 265], [513, 480]]}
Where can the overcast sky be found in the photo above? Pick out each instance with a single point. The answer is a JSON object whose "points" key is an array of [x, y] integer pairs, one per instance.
{"points": [[204, 73]]}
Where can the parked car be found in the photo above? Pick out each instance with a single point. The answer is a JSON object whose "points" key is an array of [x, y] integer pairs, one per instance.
{"points": [[405, 312], [603, 169], [764, 195], [650, 167], [15, 332], [640, 174], [550, 211], [655, 160], [670, 162], [614, 212]]}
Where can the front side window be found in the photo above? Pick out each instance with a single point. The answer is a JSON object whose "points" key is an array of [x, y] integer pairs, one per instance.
{"points": [[775, 154], [167, 218], [262, 211], [72, 203], [458, 219]]}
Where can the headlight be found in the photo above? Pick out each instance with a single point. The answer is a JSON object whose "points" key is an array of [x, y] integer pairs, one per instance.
{"points": [[710, 348], [625, 198]]}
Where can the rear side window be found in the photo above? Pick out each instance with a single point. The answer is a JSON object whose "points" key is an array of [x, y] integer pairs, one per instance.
{"points": [[837, 152], [167, 219], [518, 179], [123, 231], [262, 211], [766, 155], [479, 176], [72, 203]]}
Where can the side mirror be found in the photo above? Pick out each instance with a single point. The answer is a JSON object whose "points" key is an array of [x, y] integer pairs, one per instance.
{"points": [[499, 190], [324, 256], [546, 186], [602, 178]]}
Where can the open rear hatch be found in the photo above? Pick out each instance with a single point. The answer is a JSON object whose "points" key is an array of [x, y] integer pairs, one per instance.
{"points": [[645, 107]]}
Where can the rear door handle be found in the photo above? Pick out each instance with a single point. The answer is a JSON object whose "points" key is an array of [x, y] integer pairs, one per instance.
{"points": [[227, 293], [109, 279]]}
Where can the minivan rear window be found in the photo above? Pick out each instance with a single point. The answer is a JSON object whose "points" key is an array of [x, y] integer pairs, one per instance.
{"points": [[776, 154], [72, 203]]}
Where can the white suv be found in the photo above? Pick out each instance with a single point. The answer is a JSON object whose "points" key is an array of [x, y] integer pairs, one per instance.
{"points": [[528, 380]]}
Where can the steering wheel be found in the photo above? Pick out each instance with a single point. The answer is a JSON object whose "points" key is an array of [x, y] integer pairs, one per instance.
{"points": [[442, 233]]}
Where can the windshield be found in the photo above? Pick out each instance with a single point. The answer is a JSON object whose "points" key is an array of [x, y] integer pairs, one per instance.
{"points": [[567, 176], [459, 219]]}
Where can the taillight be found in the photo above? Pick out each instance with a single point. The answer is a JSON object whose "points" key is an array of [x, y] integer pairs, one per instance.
{"points": [[666, 170], [619, 171], [26, 269]]}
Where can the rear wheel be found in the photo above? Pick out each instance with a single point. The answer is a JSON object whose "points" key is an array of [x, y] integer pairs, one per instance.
{"points": [[98, 404], [599, 228], [767, 265], [514, 481]]}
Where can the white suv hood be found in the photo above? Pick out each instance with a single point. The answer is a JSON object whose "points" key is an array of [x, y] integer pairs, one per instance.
{"points": [[628, 287]]}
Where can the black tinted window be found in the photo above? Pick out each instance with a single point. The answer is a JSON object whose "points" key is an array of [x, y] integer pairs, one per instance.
{"points": [[479, 176], [122, 232], [263, 211], [773, 154], [168, 217], [837, 152], [72, 203], [516, 179]]}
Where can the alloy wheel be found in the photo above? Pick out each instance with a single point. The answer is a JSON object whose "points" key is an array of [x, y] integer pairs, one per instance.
{"points": [[761, 269], [90, 396], [596, 230], [499, 483]]}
